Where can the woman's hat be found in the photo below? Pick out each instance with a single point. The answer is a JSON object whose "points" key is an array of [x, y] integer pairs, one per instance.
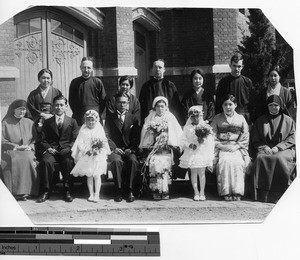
{"points": [[92, 113], [160, 98], [195, 110], [274, 99]]}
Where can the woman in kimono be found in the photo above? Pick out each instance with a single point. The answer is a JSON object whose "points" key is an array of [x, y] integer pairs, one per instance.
{"points": [[273, 137], [17, 159], [231, 150], [44, 93], [160, 134], [274, 87], [197, 95]]}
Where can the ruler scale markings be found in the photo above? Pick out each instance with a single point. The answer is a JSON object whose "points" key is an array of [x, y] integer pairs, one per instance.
{"points": [[91, 237], [79, 241]]}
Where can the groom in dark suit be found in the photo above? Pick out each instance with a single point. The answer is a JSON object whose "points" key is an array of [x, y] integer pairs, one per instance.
{"points": [[123, 133], [58, 136]]}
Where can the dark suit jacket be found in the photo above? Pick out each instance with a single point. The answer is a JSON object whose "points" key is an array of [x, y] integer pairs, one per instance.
{"points": [[122, 136], [134, 106], [61, 142]]}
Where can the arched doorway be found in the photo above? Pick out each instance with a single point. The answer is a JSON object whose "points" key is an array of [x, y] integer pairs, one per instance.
{"points": [[145, 21], [142, 56], [46, 38]]}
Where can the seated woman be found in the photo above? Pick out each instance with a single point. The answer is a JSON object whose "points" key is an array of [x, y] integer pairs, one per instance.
{"points": [[17, 159], [231, 145], [273, 138], [160, 134]]}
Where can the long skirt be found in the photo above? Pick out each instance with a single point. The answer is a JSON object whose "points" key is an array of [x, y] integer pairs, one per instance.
{"points": [[160, 173], [231, 173], [272, 172], [19, 172]]}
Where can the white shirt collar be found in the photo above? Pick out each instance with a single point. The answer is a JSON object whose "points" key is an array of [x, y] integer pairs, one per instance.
{"points": [[57, 117]]}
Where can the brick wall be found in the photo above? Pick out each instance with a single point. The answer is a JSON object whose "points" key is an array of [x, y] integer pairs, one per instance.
{"points": [[225, 34], [7, 85], [108, 36], [186, 37], [125, 37]]}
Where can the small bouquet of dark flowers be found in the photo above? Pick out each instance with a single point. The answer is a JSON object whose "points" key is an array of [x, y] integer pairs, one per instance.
{"points": [[96, 146], [202, 131]]}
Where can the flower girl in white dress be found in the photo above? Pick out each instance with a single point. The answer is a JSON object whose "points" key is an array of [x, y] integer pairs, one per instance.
{"points": [[197, 143], [90, 152]]}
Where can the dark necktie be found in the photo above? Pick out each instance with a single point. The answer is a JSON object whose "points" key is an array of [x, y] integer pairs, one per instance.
{"points": [[59, 123]]}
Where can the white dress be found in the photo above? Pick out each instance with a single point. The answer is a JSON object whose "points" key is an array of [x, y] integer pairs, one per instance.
{"points": [[160, 161], [90, 165], [202, 156]]}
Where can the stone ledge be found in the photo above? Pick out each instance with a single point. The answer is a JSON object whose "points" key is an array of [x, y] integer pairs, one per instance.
{"points": [[114, 72], [9, 72]]}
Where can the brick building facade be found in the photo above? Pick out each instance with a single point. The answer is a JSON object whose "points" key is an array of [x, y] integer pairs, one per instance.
{"points": [[123, 41]]}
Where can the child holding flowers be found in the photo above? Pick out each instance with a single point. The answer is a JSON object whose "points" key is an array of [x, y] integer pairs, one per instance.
{"points": [[197, 143], [90, 153]]}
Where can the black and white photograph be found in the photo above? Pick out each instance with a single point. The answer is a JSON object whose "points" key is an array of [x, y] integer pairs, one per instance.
{"points": [[175, 115]]}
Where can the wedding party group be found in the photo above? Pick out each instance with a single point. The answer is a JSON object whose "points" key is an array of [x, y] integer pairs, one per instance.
{"points": [[148, 141]]}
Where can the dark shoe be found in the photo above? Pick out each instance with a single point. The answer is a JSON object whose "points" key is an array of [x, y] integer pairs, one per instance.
{"points": [[22, 197], [43, 197], [156, 197], [68, 197], [118, 198], [130, 198]]}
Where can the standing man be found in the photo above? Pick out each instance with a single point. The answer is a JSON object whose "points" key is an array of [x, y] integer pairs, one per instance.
{"points": [[86, 92], [237, 85], [123, 134], [159, 86]]}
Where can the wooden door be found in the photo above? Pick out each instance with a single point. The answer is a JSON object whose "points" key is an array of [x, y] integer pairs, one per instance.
{"points": [[30, 58], [44, 41], [66, 49], [141, 58]]}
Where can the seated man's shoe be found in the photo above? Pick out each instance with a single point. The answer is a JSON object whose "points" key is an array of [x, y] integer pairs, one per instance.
{"points": [[118, 198], [130, 198], [43, 197], [68, 197]]}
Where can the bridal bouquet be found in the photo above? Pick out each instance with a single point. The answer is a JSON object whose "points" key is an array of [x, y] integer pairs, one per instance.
{"points": [[156, 127]]}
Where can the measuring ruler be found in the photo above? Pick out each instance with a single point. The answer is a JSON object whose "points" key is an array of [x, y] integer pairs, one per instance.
{"points": [[79, 241]]}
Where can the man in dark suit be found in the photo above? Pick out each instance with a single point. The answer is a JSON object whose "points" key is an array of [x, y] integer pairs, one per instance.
{"points": [[123, 131], [58, 136]]}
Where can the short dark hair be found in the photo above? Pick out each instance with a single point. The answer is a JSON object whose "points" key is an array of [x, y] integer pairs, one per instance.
{"points": [[236, 57], [126, 77], [162, 60], [42, 71], [60, 97], [119, 95], [230, 97], [277, 69], [194, 72], [88, 58]]}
